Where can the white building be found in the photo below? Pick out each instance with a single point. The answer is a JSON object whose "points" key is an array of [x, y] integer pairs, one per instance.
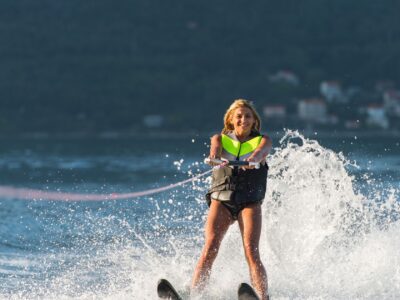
{"points": [[376, 116], [285, 76], [153, 121], [332, 91], [274, 111], [382, 86], [313, 110], [391, 101], [352, 124]]}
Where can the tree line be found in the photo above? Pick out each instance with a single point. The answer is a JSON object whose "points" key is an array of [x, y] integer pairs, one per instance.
{"points": [[94, 66]]}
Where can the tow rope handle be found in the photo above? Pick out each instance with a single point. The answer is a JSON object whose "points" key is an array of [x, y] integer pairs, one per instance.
{"points": [[234, 163]]}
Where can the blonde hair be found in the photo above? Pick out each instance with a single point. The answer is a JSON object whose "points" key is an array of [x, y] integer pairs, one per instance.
{"points": [[228, 126]]}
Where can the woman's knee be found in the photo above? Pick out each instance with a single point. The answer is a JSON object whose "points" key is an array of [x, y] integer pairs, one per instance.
{"points": [[212, 244], [252, 253]]}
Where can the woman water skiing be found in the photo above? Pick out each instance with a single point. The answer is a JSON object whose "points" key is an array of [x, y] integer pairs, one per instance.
{"points": [[236, 193]]}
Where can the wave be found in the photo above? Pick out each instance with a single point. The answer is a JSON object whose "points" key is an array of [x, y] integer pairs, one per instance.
{"points": [[323, 237]]}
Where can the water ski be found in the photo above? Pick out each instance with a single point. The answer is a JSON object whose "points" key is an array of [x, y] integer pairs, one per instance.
{"points": [[165, 290], [246, 292]]}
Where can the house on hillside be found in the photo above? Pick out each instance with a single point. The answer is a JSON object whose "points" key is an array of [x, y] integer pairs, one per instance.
{"points": [[391, 100], [285, 76], [382, 86], [153, 121], [352, 124], [274, 111], [376, 116], [332, 91], [312, 110]]}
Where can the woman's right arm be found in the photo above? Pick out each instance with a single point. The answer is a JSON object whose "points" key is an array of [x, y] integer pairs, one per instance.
{"points": [[216, 146]]}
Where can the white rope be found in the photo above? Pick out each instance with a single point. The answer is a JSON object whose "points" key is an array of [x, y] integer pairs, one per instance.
{"points": [[10, 192]]}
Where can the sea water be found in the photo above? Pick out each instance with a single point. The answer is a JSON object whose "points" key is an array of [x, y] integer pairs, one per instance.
{"points": [[331, 226]]}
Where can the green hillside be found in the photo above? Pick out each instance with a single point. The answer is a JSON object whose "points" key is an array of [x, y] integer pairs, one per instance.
{"points": [[93, 66]]}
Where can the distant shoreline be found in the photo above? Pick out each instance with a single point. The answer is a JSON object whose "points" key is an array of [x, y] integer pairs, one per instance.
{"points": [[192, 134], [344, 134]]}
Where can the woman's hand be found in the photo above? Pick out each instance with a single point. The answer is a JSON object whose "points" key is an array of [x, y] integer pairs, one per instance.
{"points": [[252, 158], [216, 161], [261, 152]]}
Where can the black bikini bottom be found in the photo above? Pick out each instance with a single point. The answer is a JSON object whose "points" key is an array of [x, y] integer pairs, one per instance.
{"points": [[235, 207]]}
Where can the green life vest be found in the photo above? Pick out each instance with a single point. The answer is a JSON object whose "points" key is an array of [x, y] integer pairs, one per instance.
{"points": [[241, 186], [233, 149]]}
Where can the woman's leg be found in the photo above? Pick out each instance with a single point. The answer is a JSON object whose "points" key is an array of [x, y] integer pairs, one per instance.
{"points": [[218, 221], [250, 227]]}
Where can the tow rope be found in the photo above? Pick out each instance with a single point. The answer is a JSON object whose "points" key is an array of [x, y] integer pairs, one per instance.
{"points": [[10, 192]]}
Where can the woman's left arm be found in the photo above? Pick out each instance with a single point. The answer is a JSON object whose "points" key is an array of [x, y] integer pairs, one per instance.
{"points": [[262, 150]]}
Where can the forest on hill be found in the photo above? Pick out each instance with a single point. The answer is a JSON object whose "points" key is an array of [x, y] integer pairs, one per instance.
{"points": [[95, 66]]}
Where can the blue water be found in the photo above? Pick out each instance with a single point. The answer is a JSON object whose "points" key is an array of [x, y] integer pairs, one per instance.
{"points": [[332, 209]]}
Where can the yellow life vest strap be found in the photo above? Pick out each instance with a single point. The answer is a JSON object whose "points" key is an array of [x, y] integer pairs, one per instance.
{"points": [[238, 149], [230, 145], [250, 145]]}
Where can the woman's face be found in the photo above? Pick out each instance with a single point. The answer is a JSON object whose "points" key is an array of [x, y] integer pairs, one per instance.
{"points": [[242, 120]]}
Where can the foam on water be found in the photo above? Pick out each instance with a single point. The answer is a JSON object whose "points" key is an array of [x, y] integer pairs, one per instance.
{"points": [[323, 238]]}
